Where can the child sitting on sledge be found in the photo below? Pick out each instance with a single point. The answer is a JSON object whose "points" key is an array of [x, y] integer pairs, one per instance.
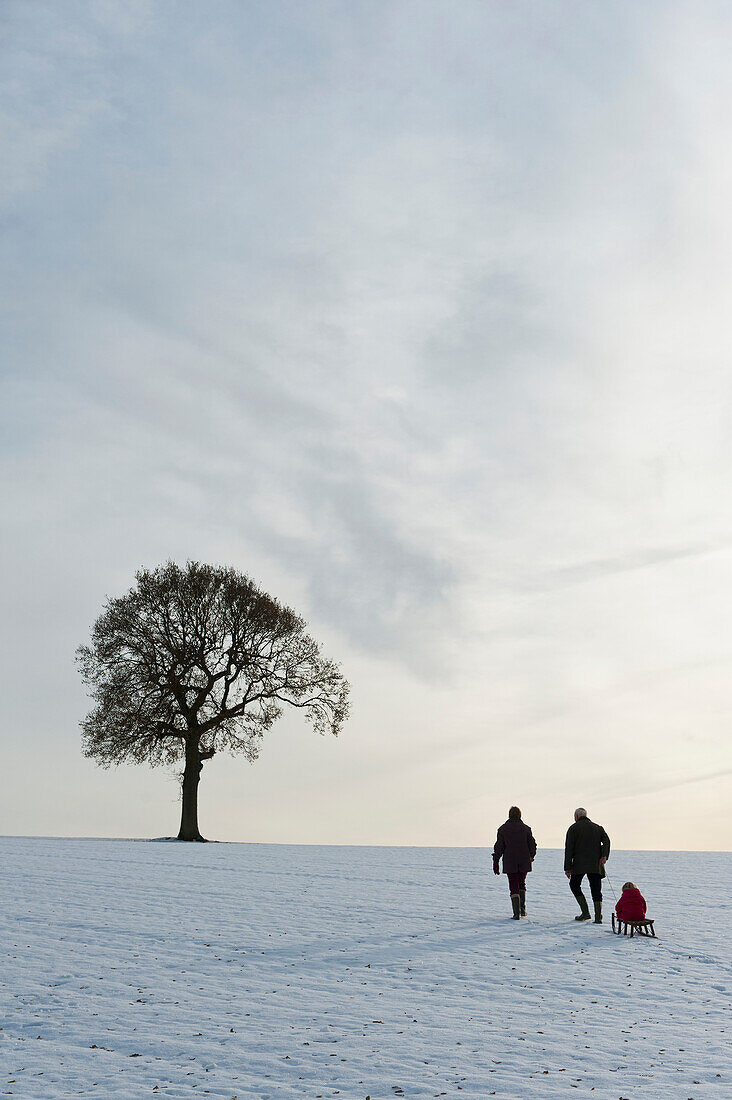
{"points": [[632, 904]]}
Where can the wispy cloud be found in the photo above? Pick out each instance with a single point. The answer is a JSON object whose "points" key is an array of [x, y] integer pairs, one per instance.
{"points": [[633, 787], [588, 571]]}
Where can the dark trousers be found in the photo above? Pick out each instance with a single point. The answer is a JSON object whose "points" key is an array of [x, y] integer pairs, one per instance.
{"points": [[517, 881], [595, 881]]}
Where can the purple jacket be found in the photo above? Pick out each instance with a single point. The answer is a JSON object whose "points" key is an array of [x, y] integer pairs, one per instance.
{"points": [[515, 842]]}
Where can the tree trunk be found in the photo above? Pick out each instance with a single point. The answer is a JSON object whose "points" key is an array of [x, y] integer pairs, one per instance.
{"points": [[189, 798]]}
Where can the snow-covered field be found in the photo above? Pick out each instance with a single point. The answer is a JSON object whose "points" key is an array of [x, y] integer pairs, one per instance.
{"points": [[134, 969]]}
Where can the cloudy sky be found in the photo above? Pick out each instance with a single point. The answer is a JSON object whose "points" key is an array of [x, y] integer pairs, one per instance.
{"points": [[418, 313]]}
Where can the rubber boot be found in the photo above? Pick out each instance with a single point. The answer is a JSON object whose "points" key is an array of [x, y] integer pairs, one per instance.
{"points": [[582, 902], [522, 899], [598, 912], [516, 903]]}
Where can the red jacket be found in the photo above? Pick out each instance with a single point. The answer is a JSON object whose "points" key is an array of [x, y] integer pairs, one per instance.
{"points": [[632, 905]]}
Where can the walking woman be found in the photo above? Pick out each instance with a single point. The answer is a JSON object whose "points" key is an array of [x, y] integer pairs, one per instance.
{"points": [[515, 842]]}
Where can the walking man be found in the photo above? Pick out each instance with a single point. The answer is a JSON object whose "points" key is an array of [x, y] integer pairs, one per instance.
{"points": [[515, 842], [585, 853]]}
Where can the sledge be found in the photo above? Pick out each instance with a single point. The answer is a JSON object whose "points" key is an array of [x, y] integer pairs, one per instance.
{"points": [[641, 927]]}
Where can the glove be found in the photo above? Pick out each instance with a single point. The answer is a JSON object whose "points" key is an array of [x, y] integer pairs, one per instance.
{"points": [[496, 870]]}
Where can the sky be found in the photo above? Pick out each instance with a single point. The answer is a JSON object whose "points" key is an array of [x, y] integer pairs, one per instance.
{"points": [[417, 313]]}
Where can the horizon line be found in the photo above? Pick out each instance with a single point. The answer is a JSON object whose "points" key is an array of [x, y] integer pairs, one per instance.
{"points": [[339, 844]]}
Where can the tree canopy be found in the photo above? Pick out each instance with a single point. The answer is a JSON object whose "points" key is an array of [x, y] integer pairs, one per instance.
{"points": [[196, 660]]}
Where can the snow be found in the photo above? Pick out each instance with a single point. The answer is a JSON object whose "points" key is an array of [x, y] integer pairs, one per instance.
{"points": [[134, 969]]}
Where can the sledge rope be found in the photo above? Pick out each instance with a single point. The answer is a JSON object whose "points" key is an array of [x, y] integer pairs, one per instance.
{"points": [[607, 876]]}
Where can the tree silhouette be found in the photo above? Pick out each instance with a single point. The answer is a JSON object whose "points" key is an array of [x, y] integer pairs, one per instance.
{"points": [[194, 661]]}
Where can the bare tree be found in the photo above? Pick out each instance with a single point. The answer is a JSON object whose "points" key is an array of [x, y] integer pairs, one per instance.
{"points": [[194, 661]]}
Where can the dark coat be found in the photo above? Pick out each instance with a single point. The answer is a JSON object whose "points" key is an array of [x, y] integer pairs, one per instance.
{"points": [[586, 843], [632, 905], [515, 842]]}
